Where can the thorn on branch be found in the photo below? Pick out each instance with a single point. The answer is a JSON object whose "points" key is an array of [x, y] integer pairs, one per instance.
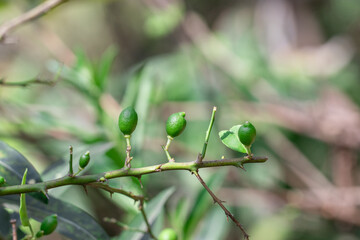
{"points": [[141, 185], [45, 192], [85, 189], [158, 168]]}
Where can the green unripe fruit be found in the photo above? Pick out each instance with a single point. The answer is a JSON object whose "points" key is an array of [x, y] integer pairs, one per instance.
{"points": [[2, 180], [128, 120], [168, 234], [49, 224], [175, 124], [247, 134], [84, 160], [39, 234]]}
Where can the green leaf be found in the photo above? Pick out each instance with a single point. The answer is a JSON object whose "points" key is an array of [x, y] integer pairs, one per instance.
{"points": [[179, 214], [275, 227], [5, 226], [12, 166], [231, 139], [152, 209], [22, 210], [203, 202], [73, 222], [215, 225], [103, 67]]}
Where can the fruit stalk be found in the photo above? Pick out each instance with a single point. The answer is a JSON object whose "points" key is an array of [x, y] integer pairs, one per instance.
{"points": [[128, 151], [166, 149]]}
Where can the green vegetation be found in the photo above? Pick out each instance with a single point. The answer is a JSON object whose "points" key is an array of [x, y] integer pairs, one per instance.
{"points": [[291, 68]]}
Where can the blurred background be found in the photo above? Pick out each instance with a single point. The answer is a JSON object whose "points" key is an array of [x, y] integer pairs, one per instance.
{"points": [[289, 67]]}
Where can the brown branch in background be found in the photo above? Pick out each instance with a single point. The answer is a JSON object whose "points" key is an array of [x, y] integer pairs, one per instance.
{"points": [[26, 83], [13, 225], [139, 198], [28, 16], [218, 201], [112, 190]]}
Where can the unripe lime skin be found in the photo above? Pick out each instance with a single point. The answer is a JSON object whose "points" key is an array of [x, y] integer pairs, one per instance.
{"points": [[175, 124], [247, 134], [168, 234], [49, 224], [84, 160], [128, 120]]}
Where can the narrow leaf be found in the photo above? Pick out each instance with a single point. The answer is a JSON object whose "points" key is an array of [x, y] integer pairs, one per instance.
{"points": [[22, 210]]}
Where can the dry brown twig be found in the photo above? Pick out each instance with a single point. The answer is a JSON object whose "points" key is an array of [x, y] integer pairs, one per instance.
{"points": [[32, 14], [13, 226], [220, 203]]}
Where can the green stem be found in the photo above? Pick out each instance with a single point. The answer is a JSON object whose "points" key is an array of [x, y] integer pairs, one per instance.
{"points": [[166, 149], [32, 232], [80, 169], [124, 172], [128, 151], [207, 136], [71, 171], [248, 150]]}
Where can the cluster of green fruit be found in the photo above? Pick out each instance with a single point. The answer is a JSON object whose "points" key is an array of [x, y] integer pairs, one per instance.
{"points": [[128, 119], [176, 124]]}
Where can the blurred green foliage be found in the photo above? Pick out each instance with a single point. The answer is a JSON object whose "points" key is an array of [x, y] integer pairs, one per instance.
{"points": [[290, 67]]}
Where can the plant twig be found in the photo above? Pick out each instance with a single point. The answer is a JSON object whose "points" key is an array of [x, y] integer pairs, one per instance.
{"points": [[207, 136], [130, 195], [28, 16], [112, 190], [125, 172], [26, 83], [148, 226], [128, 151], [13, 226], [71, 171], [218, 201], [166, 149]]}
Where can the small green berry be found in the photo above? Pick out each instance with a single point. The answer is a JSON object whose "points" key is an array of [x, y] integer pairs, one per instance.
{"points": [[247, 134], [49, 224], [168, 234], [39, 234], [2, 180], [128, 120], [175, 124], [84, 160]]}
